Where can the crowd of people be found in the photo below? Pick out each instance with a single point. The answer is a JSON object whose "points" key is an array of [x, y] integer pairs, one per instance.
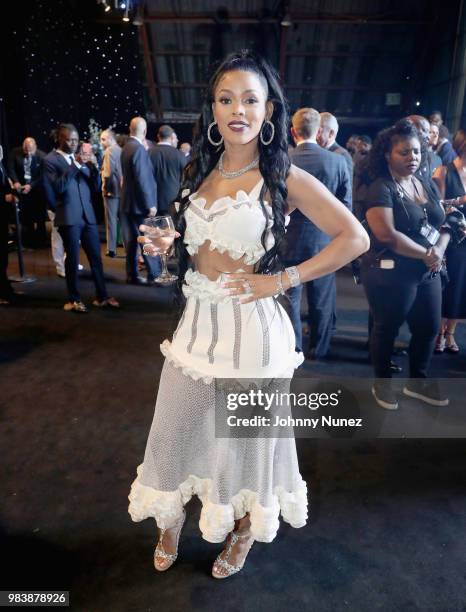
{"points": [[392, 207], [131, 176], [407, 187]]}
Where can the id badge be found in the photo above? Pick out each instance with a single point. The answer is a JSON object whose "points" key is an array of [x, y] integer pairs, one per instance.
{"points": [[387, 264], [430, 233]]}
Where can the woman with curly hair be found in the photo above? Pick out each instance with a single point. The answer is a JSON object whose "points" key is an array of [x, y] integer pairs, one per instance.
{"points": [[451, 181], [400, 273], [236, 194]]}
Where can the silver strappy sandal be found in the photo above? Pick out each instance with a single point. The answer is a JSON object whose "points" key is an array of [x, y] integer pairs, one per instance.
{"points": [[221, 567], [162, 559]]}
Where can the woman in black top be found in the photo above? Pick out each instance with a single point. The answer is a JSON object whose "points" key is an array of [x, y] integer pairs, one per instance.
{"points": [[451, 181], [400, 273]]}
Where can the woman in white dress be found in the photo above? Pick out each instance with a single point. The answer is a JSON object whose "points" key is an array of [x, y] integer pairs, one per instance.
{"points": [[236, 195]]}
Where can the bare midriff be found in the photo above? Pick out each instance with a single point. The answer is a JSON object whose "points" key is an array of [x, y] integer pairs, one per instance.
{"points": [[213, 263]]}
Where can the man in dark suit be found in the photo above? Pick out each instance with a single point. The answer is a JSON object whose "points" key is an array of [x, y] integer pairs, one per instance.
{"points": [[168, 164], [326, 137], [304, 240], [7, 198], [73, 179], [138, 200], [444, 148], [25, 169]]}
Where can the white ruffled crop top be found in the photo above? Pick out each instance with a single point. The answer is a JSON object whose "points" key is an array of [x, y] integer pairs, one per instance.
{"points": [[217, 336], [233, 225]]}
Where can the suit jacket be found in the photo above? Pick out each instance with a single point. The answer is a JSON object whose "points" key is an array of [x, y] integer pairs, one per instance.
{"points": [[430, 161], [139, 191], [336, 148], [69, 189], [5, 189], [111, 171], [16, 167], [332, 171], [446, 152], [168, 164]]}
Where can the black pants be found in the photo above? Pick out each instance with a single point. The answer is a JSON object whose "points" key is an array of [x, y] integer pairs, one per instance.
{"points": [[321, 295], [89, 236], [5, 287], [406, 293], [33, 215], [321, 299]]}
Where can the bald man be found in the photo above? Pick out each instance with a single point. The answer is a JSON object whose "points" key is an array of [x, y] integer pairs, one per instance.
{"points": [[25, 169], [138, 200], [185, 148]]}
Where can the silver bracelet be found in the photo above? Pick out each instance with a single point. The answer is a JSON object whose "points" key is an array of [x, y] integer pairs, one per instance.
{"points": [[280, 288], [293, 275]]}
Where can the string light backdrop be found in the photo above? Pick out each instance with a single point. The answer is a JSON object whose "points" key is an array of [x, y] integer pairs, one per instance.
{"points": [[68, 67]]}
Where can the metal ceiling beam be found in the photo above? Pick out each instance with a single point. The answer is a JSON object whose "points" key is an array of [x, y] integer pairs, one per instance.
{"points": [[282, 57], [153, 92], [187, 53], [295, 18], [299, 87], [344, 54]]}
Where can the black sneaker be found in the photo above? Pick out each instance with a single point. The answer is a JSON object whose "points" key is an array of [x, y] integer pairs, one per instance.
{"points": [[384, 395], [110, 254], [427, 391]]}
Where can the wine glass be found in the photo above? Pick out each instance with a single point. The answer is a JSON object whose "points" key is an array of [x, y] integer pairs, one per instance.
{"points": [[161, 233]]}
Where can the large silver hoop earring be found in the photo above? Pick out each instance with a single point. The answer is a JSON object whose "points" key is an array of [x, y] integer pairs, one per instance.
{"points": [[209, 137], [261, 135]]}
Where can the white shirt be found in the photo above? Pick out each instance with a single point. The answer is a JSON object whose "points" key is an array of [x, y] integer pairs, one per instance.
{"points": [[69, 158], [138, 139]]}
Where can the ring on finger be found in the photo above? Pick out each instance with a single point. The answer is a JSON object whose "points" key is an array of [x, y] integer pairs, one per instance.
{"points": [[247, 287]]}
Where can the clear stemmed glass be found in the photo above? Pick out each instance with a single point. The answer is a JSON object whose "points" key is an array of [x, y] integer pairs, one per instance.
{"points": [[161, 233]]}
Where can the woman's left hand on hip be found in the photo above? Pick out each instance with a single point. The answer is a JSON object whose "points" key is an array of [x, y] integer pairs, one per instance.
{"points": [[254, 286]]}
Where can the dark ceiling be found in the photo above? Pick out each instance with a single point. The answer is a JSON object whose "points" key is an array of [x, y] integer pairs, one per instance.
{"points": [[366, 61]]}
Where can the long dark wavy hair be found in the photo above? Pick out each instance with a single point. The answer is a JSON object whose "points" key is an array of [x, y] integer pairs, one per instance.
{"points": [[383, 143], [274, 162]]}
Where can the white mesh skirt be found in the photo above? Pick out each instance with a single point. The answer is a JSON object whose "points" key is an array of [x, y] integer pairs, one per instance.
{"points": [[183, 457]]}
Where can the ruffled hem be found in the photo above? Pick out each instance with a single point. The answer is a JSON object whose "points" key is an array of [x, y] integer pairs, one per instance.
{"points": [[200, 286], [165, 348], [217, 520], [234, 248]]}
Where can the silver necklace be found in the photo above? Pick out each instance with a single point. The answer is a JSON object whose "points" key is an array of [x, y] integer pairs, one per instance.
{"points": [[230, 175]]}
